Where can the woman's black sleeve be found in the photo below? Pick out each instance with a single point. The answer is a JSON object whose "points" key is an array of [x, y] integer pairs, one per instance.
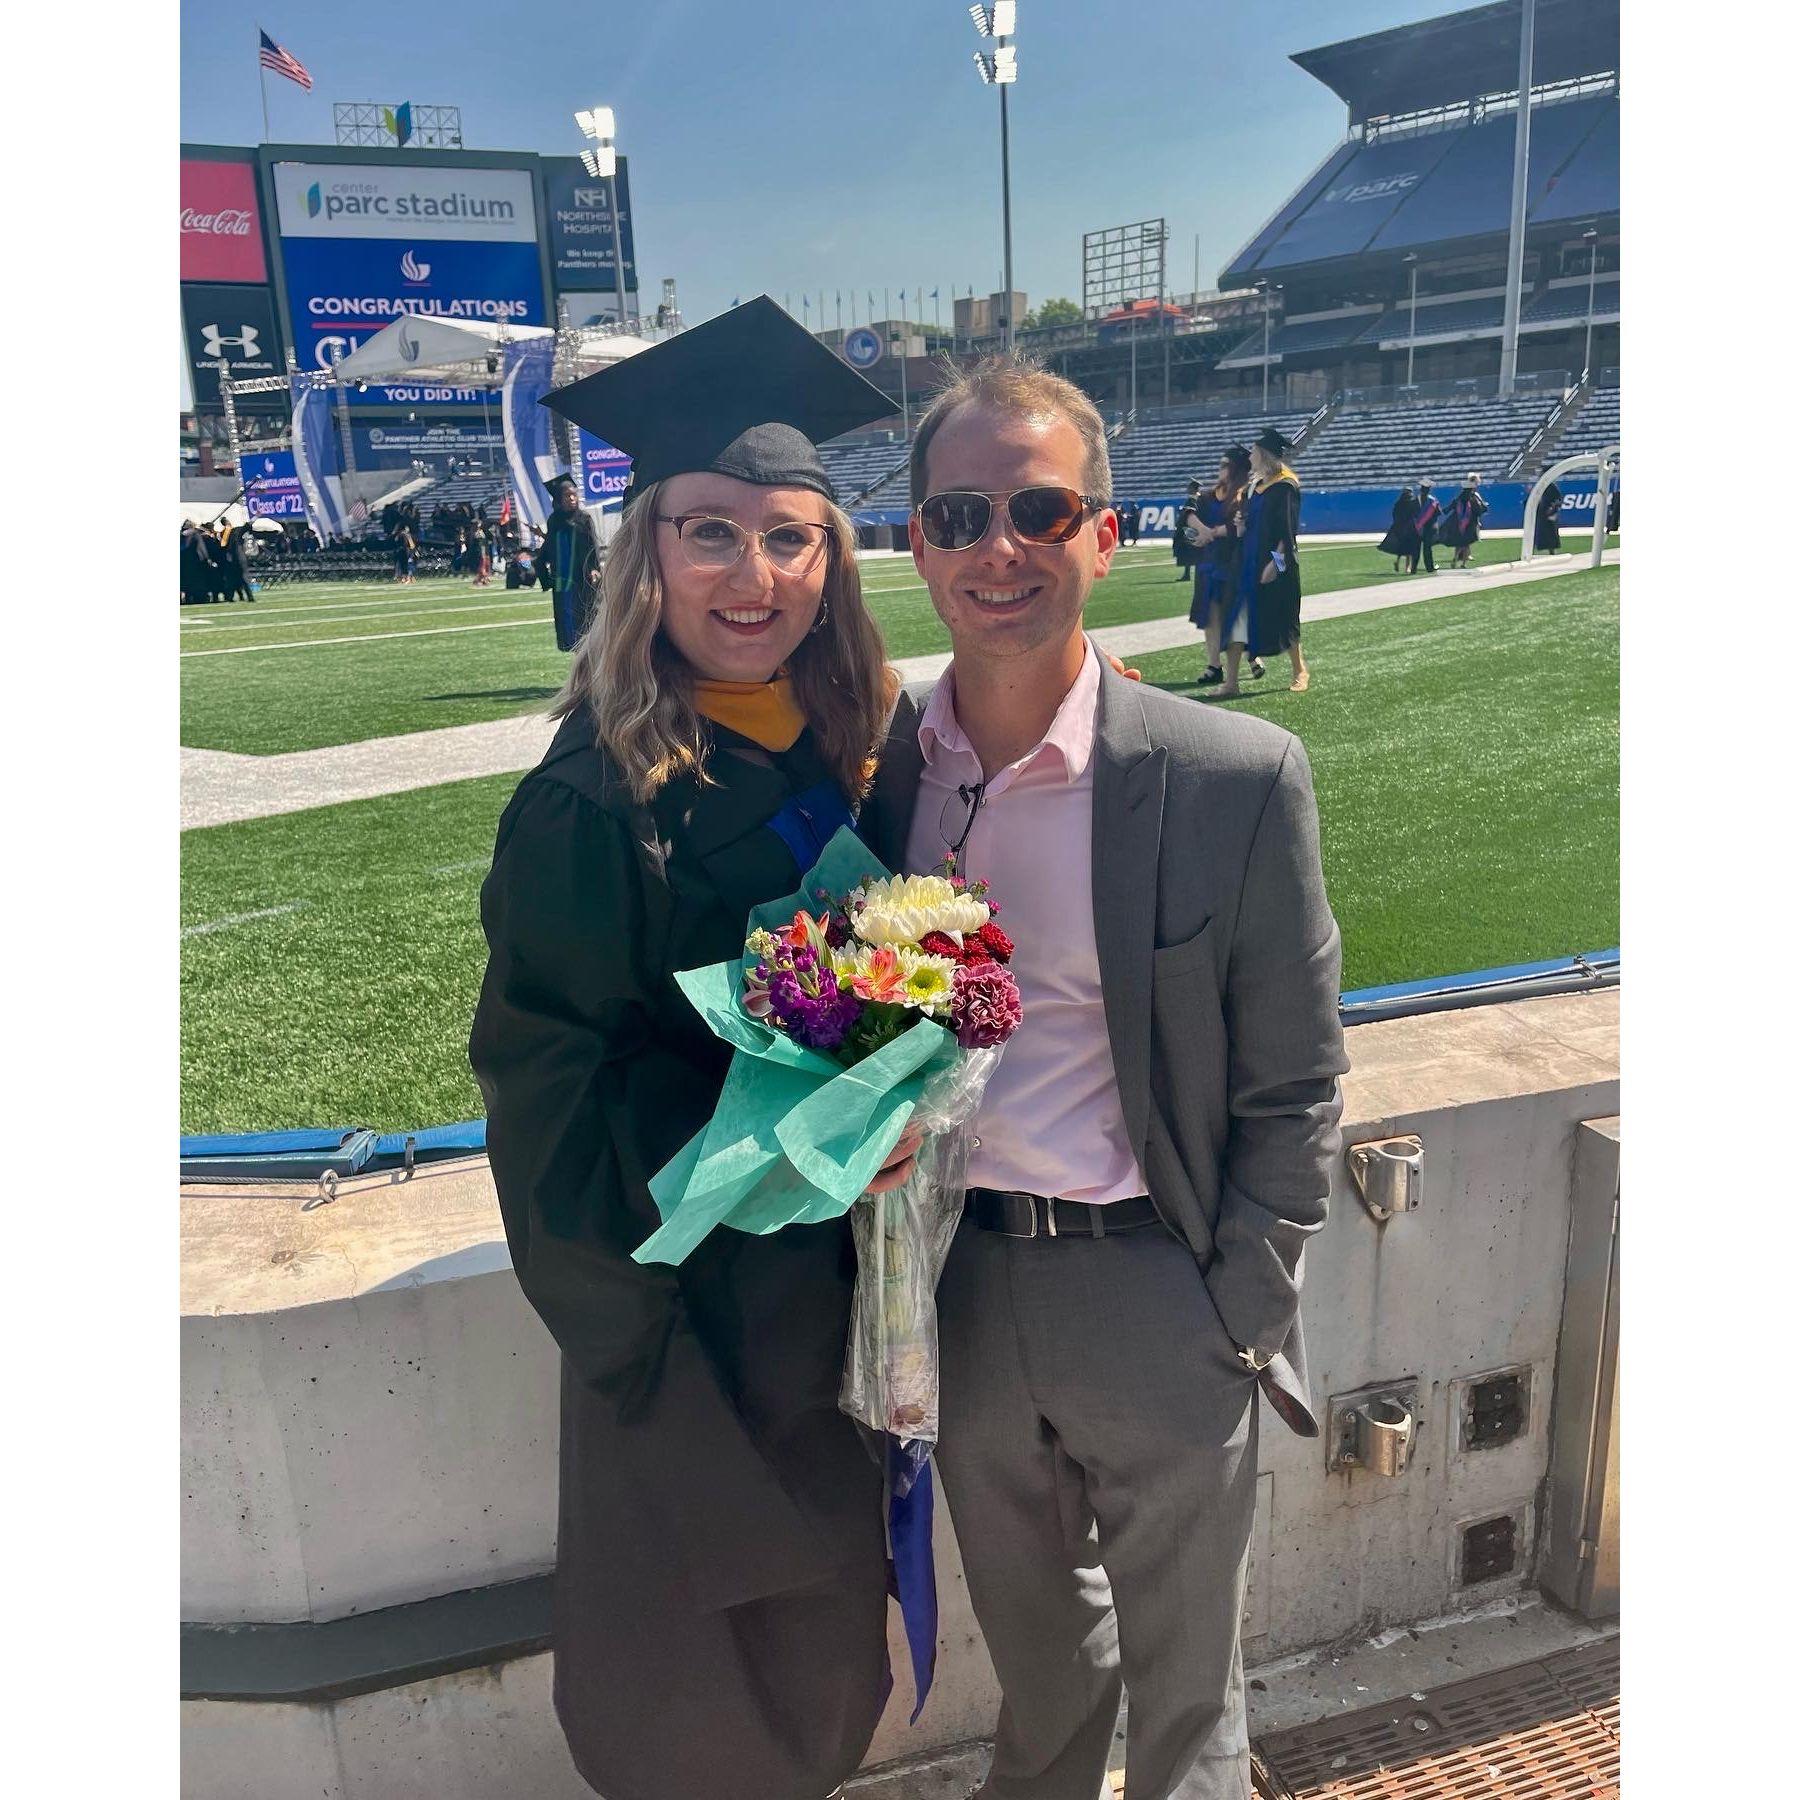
{"points": [[563, 1011]]}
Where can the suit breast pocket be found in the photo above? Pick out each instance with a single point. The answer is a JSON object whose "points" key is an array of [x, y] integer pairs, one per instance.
{"points": [[1171, 962]]}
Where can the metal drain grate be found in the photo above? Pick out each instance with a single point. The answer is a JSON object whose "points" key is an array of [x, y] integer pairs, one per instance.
{"points": [[1547, 1730]]}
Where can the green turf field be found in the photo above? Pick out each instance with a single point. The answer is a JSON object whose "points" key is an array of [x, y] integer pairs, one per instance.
{"points": [[1465, 752], [316, 664]]}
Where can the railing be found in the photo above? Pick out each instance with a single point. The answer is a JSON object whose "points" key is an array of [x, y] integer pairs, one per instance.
{"points": [[1313, 425], [1469, 387], [1551, 423]]}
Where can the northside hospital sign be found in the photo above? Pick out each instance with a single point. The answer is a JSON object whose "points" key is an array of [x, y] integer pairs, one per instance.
{"points": [[361, 245]]}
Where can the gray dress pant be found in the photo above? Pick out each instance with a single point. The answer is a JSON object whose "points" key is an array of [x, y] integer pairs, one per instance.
{"points": [[1098, 1455]]}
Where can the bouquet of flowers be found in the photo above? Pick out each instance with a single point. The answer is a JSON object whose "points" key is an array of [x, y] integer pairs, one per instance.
{"points": [[862, 1004], [867, 968]]}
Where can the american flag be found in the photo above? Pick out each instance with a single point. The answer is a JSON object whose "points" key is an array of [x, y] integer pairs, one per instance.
{"points": [[359, 510], [271, 55]]}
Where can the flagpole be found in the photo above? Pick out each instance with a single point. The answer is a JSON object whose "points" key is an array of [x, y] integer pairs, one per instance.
{"points": [[262, 78]]}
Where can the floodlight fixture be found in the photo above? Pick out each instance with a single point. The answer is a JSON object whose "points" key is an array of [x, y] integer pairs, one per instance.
{"points": [[984, 67], [1006, 13], [600, 163], [984, 26], [1006, 64], [597, 124]]}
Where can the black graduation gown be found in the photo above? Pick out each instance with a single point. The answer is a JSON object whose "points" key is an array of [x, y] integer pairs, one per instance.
{"points": [[720, 1593], [1186, 554], [572, 606], [1403, 535], [1275, 603], [1547, 532]]}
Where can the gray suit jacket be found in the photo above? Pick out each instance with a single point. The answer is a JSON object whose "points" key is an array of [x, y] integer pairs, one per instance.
{"points": [[1219, 959]]}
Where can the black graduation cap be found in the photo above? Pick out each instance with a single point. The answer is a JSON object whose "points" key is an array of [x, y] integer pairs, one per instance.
{"points": [[1271, 440], [746, 394], [557, 481]]}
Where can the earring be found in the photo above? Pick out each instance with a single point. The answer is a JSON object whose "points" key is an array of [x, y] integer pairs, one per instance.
{"points": [[824, 613]]}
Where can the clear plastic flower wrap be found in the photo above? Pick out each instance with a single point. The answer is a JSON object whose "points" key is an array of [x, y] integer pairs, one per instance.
{"points": [[902, 1240]]}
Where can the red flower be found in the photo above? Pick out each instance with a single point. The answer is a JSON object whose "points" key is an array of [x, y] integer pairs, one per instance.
{"points": [[939, 943], [996, 943]]}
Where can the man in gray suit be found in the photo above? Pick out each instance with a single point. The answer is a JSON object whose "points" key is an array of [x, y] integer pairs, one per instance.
{"points": [[1154, 1150]]}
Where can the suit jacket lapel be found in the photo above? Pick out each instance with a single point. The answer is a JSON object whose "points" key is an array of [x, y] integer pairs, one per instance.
{"points": [[1128, 797], [886, 820]]}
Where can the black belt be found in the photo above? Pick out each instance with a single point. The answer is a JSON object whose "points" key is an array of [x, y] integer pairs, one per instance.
{"points": [[1033, 1215]]}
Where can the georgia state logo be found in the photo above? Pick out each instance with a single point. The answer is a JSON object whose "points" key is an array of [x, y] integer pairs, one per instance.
{"points": [[410, 347], [413, 269]]}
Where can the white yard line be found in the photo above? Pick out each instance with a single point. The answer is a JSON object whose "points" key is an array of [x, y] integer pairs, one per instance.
{"points": [[232, 920], [219, 787], [373, 637], [357, 618]]}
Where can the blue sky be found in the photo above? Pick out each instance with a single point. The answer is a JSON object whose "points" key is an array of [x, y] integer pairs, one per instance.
{"points": [[798, 146]]}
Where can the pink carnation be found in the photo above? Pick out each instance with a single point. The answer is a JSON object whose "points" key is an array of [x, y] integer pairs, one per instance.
{"points": [[985, 1007]]}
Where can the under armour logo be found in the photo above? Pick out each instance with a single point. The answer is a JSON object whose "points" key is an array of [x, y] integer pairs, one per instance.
{"points": [[215, 341]]}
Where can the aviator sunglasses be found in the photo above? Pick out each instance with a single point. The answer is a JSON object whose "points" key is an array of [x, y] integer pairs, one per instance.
{"points": [[1039, 515]]}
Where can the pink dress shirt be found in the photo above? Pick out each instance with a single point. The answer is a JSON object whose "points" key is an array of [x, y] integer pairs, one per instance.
{"points": [[1051, 1122]]}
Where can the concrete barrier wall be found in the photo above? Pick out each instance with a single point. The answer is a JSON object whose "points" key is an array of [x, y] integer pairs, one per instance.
{"points": [[369, 1418]]}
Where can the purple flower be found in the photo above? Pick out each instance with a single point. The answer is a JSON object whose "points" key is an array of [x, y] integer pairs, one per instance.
{"points": [[986, 1009], [808, 1004]]}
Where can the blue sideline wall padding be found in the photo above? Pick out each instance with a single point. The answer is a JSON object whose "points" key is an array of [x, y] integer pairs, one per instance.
{"points": [[1350, 509]]}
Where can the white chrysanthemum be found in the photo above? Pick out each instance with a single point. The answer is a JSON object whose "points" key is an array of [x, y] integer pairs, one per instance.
{"points": [[903, 908]]}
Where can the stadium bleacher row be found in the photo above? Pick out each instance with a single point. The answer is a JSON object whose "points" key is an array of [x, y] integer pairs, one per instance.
{"points": [[1479, 313], [1596, 426], [1379, 446], [1161, 457], [857, 464]]}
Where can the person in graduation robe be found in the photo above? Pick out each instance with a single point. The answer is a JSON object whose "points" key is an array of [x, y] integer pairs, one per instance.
{"points": [[1546, 531], [721, 1581], [569, 563], [1268, 586], [1183, 547], [1429, 517], [1461, 529], [1216, 574], [1402, 539]]}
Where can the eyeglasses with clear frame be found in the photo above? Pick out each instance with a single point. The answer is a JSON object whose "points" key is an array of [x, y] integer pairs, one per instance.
{"points": [[707, 542]]}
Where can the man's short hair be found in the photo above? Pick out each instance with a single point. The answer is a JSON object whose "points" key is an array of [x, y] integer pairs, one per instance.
{"points": [[1017, 385]]}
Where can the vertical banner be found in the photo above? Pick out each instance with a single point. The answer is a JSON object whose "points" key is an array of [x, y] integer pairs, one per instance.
{"points": [[318, 460], [530, 446]]}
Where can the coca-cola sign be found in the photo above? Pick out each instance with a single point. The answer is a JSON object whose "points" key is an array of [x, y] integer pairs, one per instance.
{"points": [[221, 232]]}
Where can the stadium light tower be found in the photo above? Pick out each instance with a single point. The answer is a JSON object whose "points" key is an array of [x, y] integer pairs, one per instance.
{"points": [[1001, 69], [602, 163], [1515, 242], [1590, 237]]}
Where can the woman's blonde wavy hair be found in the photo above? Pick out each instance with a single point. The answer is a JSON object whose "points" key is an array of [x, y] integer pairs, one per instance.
{"points": [[638, 688]]}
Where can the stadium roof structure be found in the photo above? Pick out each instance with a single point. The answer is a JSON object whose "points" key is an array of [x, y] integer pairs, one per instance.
{"points": [[416, 344], [1427, 165], [1461, 56]]}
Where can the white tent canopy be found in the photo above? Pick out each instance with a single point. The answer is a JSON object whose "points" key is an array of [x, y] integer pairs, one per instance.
{"points": [[419, 346], [418, 343]]}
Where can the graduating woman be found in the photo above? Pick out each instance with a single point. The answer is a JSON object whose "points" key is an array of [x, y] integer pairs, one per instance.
{"points": [[1216, 573], [1462, 520], [720, 1595], [1402, 540], [1268, 587], [1546, 531]]}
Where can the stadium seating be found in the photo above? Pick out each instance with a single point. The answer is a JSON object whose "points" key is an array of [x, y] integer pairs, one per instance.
{"points": [[855, 464], [1381, 446], [1162, 456], [1483, 314], [1596, 426], [1571, 302]]}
